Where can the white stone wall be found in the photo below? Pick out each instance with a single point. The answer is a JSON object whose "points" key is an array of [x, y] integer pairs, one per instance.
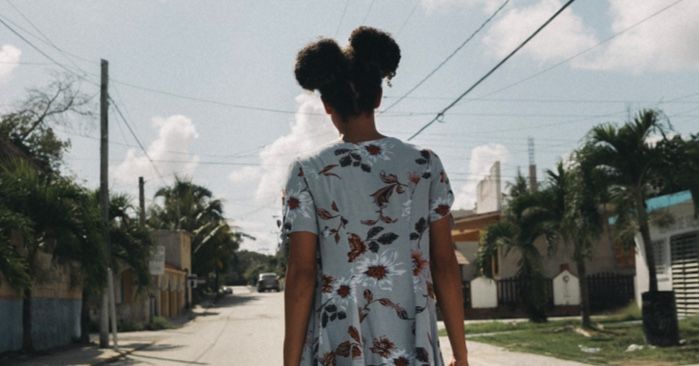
{"points": [[484, 293], [566, 289]]}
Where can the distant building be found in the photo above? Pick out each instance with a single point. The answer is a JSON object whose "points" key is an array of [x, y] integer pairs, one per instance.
{"points": [[676, 251]]}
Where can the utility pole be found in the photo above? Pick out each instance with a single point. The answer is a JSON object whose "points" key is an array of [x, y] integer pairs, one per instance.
{"points": [[104, 194], [108, 293], [141, 203]]}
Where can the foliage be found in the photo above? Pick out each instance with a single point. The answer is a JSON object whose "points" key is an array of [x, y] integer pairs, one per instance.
{"points": [[191, 207], [131, 243], [632, 167], [526, 218], [31, 127], [245, 266]]}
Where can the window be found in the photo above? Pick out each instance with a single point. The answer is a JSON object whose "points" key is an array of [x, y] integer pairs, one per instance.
{"points": [[660, 256]]}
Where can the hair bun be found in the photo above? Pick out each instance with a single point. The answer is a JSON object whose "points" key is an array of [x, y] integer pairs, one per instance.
{"points": [[372, 46], [319, 64]]}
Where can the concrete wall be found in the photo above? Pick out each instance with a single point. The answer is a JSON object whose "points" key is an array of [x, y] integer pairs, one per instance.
{"points": [[10, 325], [603, 259], [56, 305]]}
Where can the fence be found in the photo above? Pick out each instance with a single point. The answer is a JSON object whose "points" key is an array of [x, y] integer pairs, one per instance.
{"points": [[610, 290], [509, 293], [466, 290]]}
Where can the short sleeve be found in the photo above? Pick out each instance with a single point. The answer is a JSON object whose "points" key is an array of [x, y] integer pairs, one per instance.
{"points": [[441, 195], [298, 208]]}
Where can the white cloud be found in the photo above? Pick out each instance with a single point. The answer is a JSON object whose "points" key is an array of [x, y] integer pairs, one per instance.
{"points": [[664, 43], [245, 174], [482, 158], [563, 37], [169, 152], [9, 58], [310, 129]]}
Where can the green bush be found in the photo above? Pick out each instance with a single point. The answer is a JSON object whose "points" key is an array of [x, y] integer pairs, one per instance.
{"points": [[158, 323]]}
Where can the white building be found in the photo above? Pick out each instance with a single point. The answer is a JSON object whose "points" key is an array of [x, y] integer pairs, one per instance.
{"points": [[676, 251]]}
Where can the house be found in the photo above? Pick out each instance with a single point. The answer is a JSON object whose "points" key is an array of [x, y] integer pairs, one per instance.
{"points": [[675, 244], [168, 294], [610, 268]]}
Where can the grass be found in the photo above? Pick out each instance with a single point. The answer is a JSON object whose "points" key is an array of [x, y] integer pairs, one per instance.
{"points": [[560, 339]]}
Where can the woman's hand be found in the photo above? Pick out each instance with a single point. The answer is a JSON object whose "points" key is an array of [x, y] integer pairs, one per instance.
{"points": [[454, 362]]}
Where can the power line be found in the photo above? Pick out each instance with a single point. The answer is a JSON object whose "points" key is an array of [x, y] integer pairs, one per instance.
{"points": [[342, 17], [583, 51], [410, 15], [368, 12], [440, 115], [128, 125], [46, 38], [35, 47], [464, 43]]}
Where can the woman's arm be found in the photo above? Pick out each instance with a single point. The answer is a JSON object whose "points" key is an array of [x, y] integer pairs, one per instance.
{"points": [[447, 286], [298, 293]]}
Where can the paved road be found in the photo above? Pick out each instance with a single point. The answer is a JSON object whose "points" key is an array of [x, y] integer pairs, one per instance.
{"points": [[247, 328]]}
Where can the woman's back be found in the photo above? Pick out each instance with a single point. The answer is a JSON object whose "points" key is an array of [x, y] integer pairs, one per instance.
{"points": [[371, 204]]}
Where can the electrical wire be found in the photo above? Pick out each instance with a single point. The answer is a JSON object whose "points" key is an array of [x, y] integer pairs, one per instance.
{"points": [[140, 145], [556, 65], [342, 17], [440, 115], [439, 66]]}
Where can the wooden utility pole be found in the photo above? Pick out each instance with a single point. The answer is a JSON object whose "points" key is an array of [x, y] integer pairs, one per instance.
{"points": [[141, 203], [104, 194], [108, 302]]}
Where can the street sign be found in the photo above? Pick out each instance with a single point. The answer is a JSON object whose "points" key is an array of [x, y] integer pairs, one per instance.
{"points": [[156, 265]]}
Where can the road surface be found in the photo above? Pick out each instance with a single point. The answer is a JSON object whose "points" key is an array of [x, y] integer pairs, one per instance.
{"points": [[247, 329]]}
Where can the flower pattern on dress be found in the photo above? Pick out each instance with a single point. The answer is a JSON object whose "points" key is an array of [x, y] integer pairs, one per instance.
{"points": [[379, 270], [371, 205]]}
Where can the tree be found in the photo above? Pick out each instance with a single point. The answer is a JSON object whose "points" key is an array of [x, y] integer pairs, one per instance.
{"points": [[576, 201], [54, 217], [30, 128], [131, 243], [632, 165], [191, 207], [525, 219]]}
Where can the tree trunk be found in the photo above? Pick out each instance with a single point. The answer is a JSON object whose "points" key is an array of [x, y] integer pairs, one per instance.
{"points": [[27, 344], [586, 322], [85, 318], [647, 243]]}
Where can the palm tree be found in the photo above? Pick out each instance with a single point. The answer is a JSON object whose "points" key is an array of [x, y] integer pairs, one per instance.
{"points": [[631, 164], [578, 220], [525, 219], [191, 207]]}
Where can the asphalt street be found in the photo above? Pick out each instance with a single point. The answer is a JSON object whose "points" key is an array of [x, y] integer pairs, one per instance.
{"points": [[246, 329]]}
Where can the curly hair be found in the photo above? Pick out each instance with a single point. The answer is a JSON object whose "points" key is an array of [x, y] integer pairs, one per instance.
{"points": [[349, 80]]}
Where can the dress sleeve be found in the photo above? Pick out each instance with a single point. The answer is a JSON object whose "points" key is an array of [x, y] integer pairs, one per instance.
{"points": [[298, 208], [441, 195]]}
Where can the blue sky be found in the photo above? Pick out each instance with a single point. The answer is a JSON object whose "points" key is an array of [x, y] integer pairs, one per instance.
{"points": [[241, 54]]}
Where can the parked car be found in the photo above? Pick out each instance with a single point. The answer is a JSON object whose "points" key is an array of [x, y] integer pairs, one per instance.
{"points": [[268, 281]]}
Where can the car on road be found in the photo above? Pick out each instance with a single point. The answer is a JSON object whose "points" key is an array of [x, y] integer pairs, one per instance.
{"points": [[268, 281]]}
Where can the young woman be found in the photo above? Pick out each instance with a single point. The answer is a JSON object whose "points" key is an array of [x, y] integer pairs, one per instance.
{"points": [[368, 227]]}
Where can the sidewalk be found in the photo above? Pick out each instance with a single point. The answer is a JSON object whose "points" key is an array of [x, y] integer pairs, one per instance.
{"points": [[91, 354]]}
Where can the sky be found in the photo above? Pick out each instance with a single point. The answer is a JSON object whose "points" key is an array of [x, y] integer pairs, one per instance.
{"points": [[208, 87]]}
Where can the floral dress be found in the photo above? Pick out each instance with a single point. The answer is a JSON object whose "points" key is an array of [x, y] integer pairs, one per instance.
{"points": [[371, 205]]}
